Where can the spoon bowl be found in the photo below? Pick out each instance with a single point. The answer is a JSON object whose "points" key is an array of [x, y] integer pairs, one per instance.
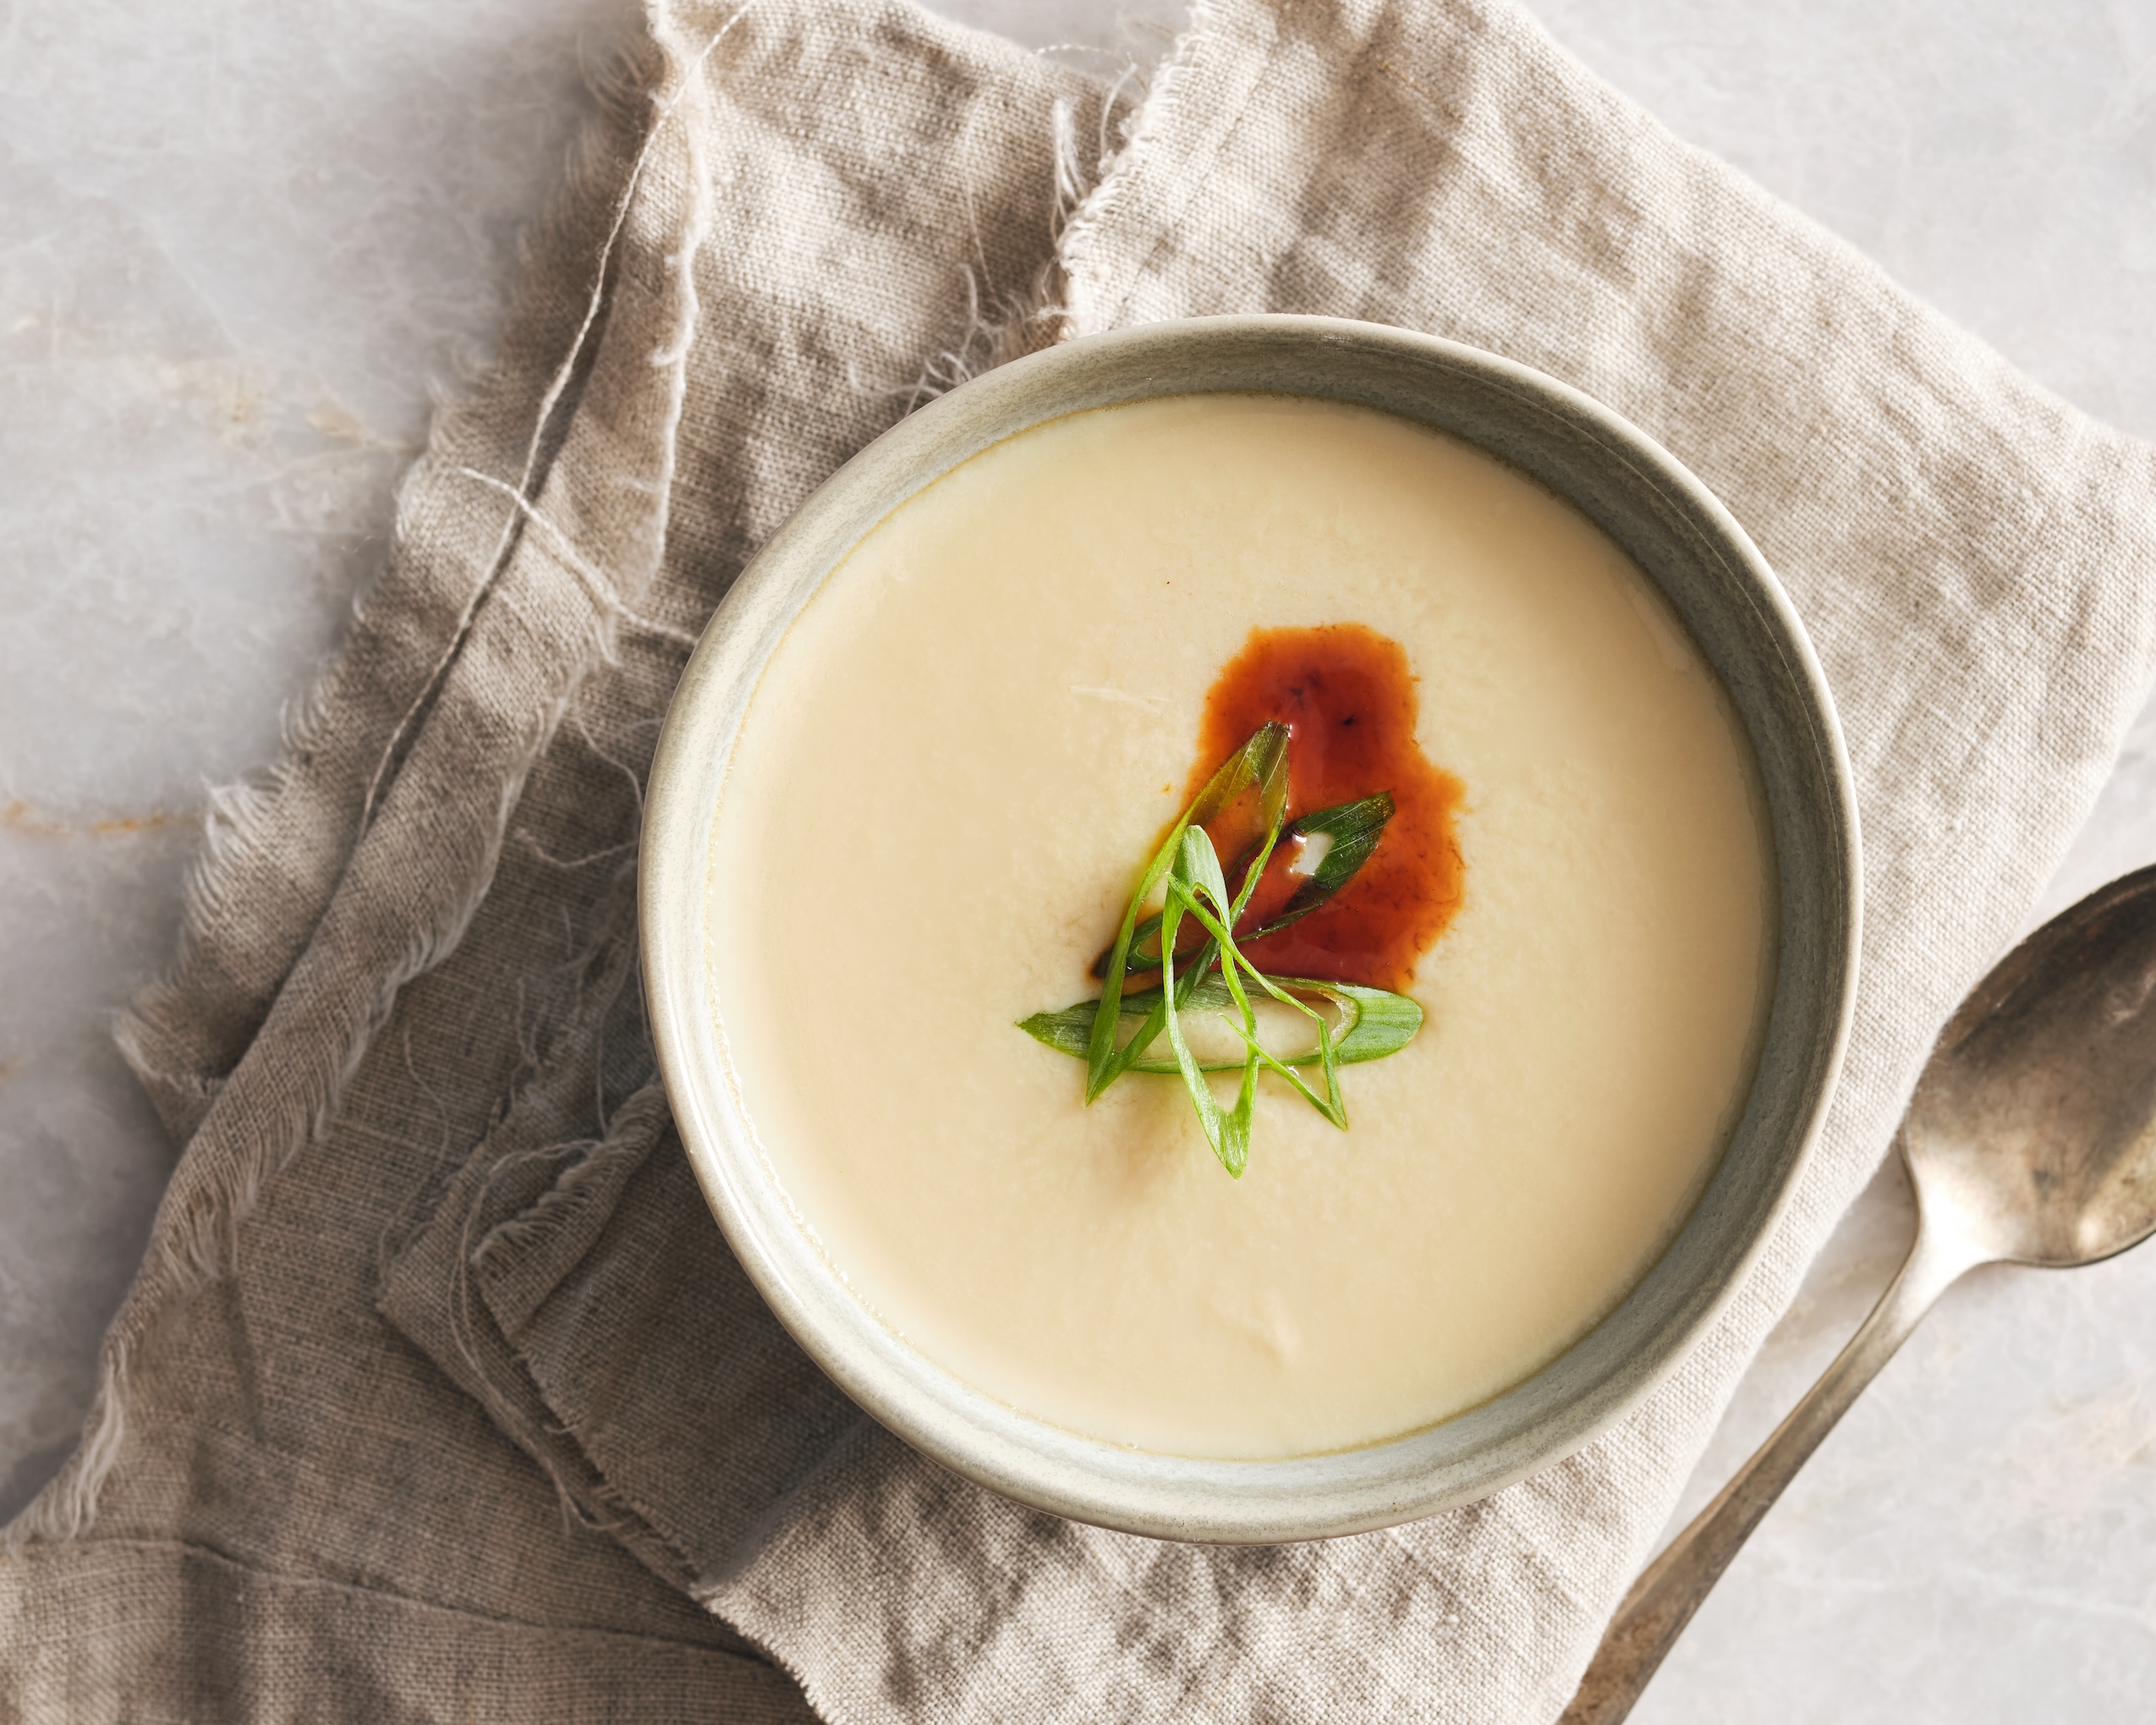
{"points": [[2031, 1135]]}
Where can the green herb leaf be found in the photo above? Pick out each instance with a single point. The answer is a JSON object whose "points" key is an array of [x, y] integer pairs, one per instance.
{"points": [[1196, 871], [1330, 1104], [1352, 830], [1373, 1024], [1262, 761], [1383, 1022], [1187, 871]]}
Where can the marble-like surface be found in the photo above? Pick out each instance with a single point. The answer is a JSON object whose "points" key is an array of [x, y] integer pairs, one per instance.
{"points": [[239, 245], [242, 246]]}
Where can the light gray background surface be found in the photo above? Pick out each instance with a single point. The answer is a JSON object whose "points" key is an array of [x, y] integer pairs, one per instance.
{"points": [[245, 245]]}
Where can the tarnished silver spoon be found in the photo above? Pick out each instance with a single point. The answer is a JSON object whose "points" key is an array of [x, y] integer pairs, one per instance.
{"points": [[2031, 1140]]}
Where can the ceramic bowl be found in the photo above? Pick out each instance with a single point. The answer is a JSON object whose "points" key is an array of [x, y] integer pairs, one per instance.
{"points": [[1678, 532]]}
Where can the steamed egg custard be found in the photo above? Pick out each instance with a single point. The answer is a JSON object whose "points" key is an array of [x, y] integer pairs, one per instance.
{"points": [[944, 799]]}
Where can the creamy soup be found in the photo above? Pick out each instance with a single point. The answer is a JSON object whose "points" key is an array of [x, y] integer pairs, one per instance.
{"points": [[950, 777]]}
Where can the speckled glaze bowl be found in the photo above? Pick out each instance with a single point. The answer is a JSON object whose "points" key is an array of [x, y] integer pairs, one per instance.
{"points": [[1739, 616]]}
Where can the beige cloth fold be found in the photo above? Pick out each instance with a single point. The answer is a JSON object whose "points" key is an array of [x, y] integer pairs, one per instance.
{"points": [[439, 1391]]}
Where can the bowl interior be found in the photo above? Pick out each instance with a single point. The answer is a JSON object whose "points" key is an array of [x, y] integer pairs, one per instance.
{"points": [[1742, 621]]}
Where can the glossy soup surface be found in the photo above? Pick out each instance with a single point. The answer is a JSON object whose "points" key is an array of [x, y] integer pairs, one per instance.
{"points": [[953, 768]]}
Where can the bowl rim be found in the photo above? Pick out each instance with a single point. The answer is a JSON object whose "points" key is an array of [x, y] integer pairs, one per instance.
{"points": [[1621, 1360]]}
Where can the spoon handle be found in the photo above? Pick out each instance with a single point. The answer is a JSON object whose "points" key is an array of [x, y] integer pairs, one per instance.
{"points": [[1672, 1588]]}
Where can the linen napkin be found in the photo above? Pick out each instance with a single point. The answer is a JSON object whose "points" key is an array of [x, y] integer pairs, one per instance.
{"points": [[439, 1391]]}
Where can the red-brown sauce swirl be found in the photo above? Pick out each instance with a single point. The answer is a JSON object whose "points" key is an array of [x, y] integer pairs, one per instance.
{"points": [[1347, 696]]}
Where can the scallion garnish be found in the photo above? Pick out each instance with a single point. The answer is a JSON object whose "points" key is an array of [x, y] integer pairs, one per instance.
{"points": [[1210, 975]]}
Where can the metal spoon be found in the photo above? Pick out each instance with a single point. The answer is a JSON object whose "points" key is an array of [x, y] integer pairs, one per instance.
{"points": [[2031, 1140]]}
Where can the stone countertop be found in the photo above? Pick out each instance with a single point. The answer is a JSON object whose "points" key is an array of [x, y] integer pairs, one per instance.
{"points": [[244, 250]]}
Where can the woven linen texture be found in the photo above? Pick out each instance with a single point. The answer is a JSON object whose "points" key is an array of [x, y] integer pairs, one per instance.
{"points": [[440, 1389]]}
